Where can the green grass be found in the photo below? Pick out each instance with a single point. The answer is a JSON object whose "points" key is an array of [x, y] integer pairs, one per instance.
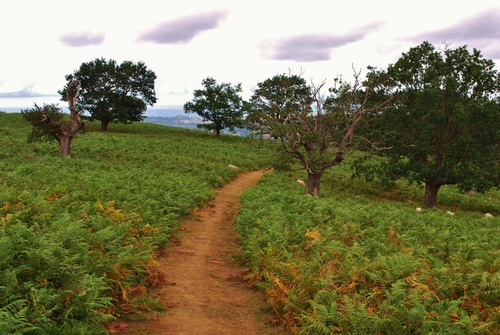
{"points": [[77, 235]]}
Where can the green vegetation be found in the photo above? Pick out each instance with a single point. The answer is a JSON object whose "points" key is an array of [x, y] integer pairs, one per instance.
{"points": [[362, 260], [220, 104], [434, 114], [313, 127], [77, 235], [113, 92], [50, 122], [444, 126]]}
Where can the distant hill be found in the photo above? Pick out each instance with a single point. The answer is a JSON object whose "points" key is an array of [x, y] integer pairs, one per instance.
{"points": [[184, 121], [164, 111]]}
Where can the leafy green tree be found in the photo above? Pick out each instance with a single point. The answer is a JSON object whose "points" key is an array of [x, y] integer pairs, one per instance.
{"points": [[273, 95], [114, 93], [50, 123], [314, 128], [219, 104], [445, 127]]}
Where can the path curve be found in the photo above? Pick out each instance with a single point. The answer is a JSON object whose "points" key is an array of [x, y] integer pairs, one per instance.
{"points": [[205, 290]]}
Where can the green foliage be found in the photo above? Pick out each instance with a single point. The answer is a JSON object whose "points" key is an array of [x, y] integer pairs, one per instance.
{"points": [[113, 92], [42, 129], [314, 128], [443, 128], [77, 236], [220, 106], [50, 123], [348, 263], [273, 99]]}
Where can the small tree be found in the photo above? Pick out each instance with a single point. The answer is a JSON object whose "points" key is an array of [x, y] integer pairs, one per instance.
{"points": [[445, 128], [314, 128], [49, 122], [218, 104], [114, 93]]}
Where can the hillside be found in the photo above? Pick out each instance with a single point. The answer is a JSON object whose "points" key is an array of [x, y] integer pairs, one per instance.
{"points": [[79, 236], [85, 228], [189, 122]]}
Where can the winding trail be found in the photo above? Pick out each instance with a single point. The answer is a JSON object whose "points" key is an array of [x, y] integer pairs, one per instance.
{"points": [[205, 290]]}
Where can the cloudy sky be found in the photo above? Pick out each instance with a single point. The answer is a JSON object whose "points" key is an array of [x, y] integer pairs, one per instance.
{"points": [[233, 41]]}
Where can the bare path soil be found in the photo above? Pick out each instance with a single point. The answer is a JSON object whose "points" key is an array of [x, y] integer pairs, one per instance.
{"points": [[205, 290]]}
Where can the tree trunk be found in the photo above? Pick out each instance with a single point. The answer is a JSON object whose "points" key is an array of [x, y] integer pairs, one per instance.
{"points": [[313, 182], [430, 197], [65, 146], [104, 125], [217, 133]]}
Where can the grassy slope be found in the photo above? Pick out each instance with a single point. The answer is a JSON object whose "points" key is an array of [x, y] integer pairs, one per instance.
{"points": [[362, 260], [77, 234], [121, 193]]}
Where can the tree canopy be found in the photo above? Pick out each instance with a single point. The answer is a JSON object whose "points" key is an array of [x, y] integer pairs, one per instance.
{"points": [[113, 92], [272, 97], [219, 105], [315, 128], [445, 126]]}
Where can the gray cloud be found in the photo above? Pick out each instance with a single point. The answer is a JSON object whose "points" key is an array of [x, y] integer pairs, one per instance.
{"points": [[26, 92], [184, 29], [81, 39], [478, 31], [313, 47], [491, 52]]}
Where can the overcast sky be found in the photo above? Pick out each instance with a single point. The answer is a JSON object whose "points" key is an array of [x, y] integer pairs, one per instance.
{"points": [[233, 41]]}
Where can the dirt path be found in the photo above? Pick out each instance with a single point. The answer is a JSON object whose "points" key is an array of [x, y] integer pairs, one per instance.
{"points": [[205, 290]]}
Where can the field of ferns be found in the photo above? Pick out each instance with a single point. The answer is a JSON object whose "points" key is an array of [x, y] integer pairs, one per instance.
{"points": [[78, 235], [362, 260]]}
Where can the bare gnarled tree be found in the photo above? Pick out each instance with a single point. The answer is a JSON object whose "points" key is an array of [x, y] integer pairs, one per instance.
{"points": [[49, 122]]}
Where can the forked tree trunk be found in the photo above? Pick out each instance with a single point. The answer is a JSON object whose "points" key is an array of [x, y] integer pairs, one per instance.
{"points": [[430, 196], [67, 131], [313, 183]]}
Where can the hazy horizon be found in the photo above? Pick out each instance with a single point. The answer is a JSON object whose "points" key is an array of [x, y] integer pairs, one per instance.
{"points": [[156, 111]]}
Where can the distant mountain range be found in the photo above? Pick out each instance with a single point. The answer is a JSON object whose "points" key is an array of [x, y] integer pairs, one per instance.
{"points": [[184, 121], [164, 111]]}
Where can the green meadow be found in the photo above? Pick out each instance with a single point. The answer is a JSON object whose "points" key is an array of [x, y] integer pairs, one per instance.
{"points": [[78, 236]]}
